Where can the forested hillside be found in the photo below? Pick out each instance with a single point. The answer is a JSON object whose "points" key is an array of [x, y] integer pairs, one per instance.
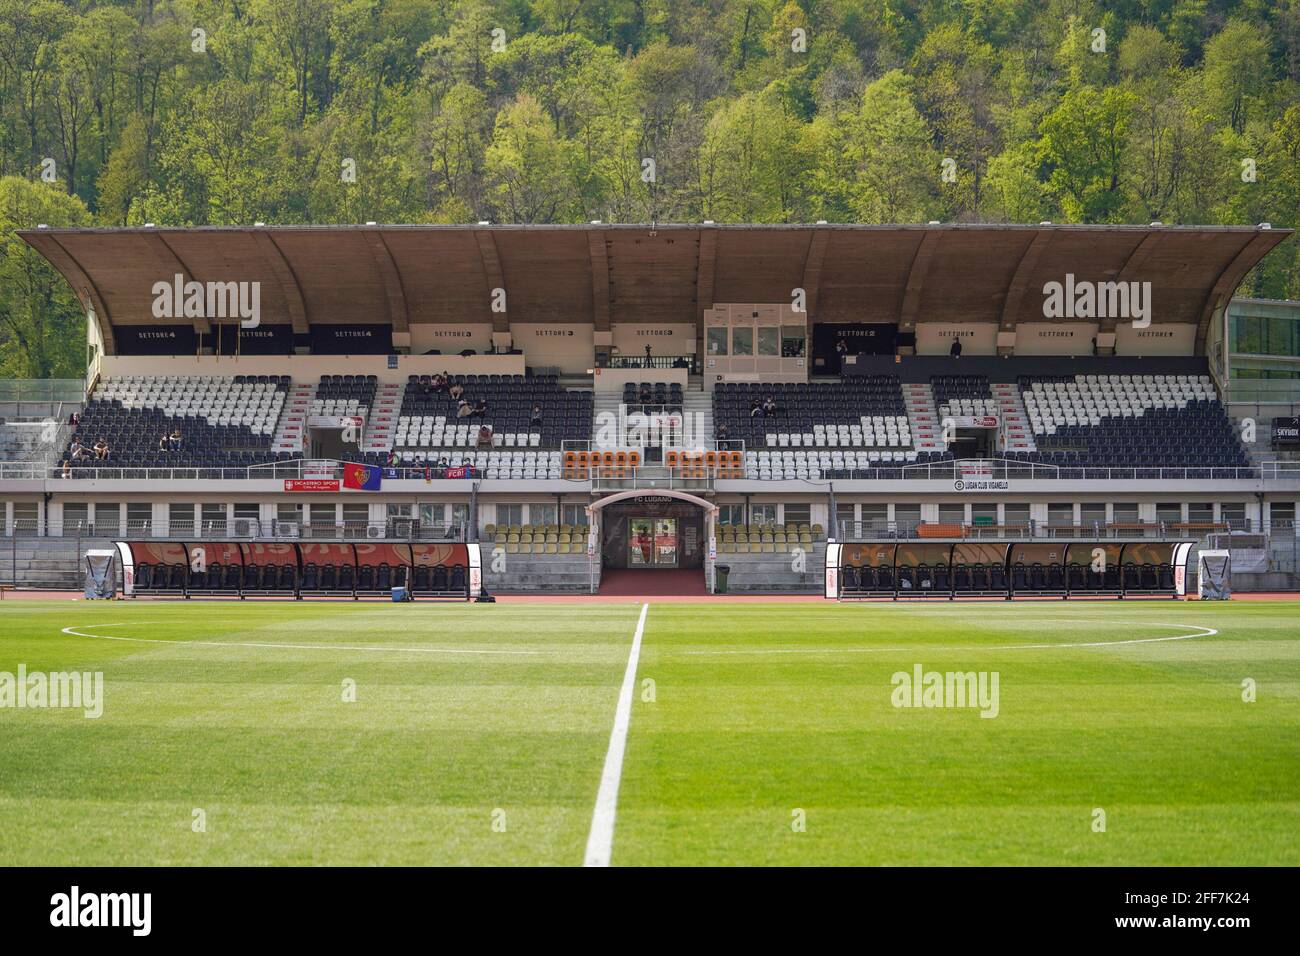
{"points": [[232, 111]]}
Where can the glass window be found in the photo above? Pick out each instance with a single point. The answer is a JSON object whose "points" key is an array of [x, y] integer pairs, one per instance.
{"points": [[1200, 511], [108, 517], [180, 519], [404, 510], [510, 514], [27, 517], [76, 517], [762, 514], [907, 516], [213, 517], [1015, 514], [1060, 514], [573, 514], [247, 509], [288, 513], [731, 514], [1169, 511], [792, 342], [322, 518], [1281, 515], [952, 514], [356, 518], [717, 341], [798, 514], [541, 514], [1125, 512], [1234, 511], [769, 342], [139, 516], [459, 515], [1091, 513], [431, 514], [845, 520], [742, 341], [984, 514]]}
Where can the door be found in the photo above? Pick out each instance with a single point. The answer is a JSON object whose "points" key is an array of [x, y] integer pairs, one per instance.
{"points": [[652, 543]]}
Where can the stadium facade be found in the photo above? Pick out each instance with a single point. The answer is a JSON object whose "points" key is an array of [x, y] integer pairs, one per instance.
{"points": [[608, 407]]}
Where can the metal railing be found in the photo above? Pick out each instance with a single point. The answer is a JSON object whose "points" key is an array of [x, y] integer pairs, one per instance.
{"points": [[42, 390], [945, 471], [1037, 530], [245, 529], [688, 362], [297, 468]]}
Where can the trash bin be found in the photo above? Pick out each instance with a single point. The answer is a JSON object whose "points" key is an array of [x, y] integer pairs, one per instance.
{"points": [[721, 578]]}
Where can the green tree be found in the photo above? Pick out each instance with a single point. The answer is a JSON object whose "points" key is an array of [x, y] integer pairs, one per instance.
{"points": [[1082, 146], [42, 325]]}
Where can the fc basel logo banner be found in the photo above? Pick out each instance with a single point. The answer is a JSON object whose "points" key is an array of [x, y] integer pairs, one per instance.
{"points": [[362, 477]]}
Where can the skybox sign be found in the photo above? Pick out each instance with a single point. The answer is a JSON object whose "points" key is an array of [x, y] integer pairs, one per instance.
{"points": [[179, 299]]}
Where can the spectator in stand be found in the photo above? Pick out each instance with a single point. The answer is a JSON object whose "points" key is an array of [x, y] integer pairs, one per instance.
{"points": [[464, 409], [456, 391], [164, 442], [484, 437], [101, 450], [723, 432], [480, 407], [74, 419], [392, 459], [536, 417], [755, 409], [77, 450], [67, 468], [176, 439], [842, 347], [439, 382], [955, 351], [769, 406]]}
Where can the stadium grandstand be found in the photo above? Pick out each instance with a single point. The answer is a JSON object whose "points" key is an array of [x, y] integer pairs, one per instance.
{"points": [[861, 411]]}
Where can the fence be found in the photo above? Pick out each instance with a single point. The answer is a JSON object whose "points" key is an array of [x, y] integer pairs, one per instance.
{"points": [[42, 390], [947, 471], [878, 530], [245, 529]]}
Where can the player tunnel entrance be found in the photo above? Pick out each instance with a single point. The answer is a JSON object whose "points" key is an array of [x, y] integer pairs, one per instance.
{"points": [[665, 531]]}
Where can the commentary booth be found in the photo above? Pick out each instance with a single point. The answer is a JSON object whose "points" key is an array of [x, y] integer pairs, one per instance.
{"points": [[923, 569], [298, 570]]}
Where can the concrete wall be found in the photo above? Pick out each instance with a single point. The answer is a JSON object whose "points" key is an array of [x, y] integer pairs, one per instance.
{"points": [[305, 368]]}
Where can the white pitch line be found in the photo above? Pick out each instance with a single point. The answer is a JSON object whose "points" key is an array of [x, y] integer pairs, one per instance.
{"points": [[600, 842], [299, 647], [1201, 632]]}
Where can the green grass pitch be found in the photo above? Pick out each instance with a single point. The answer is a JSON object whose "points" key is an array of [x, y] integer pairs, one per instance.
{"points": [[760, 734]]}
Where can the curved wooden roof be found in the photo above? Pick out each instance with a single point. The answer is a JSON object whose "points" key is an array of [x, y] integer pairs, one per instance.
{"points": [[417, 274]]}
